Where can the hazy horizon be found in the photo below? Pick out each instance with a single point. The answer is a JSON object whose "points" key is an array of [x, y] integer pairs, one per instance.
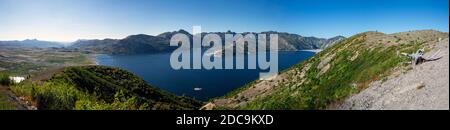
{"points": [[71, 20], [189, 32]]}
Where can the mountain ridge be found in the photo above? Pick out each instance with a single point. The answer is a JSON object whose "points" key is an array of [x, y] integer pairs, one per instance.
{"points": [[33, 43], [142, 43]]}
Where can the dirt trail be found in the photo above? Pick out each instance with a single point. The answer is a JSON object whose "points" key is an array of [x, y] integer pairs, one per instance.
{"points": [[426, 86], [12, 98]]}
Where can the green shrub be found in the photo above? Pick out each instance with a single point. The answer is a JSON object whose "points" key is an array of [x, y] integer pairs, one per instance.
{"points": [[24, 89], [57, 96], [4, 79], [120, 103]]}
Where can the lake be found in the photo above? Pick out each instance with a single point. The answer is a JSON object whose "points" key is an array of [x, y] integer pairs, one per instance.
{"points": [[155, 69]]}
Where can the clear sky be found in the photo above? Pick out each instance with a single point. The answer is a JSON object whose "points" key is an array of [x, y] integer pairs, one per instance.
{"points": [[69, 20]]}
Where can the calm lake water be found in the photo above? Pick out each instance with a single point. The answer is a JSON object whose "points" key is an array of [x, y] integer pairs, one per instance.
{"points": [[156, 70]]}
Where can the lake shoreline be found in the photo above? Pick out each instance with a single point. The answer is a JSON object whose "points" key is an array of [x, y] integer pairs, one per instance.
{"points": [[156, 70]]}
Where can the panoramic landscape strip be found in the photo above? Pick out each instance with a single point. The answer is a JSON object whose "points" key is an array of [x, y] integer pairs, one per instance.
{"points": [[222, 55]]}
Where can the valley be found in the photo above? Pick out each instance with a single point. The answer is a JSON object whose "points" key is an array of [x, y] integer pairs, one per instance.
{"points": [[23, 61]]}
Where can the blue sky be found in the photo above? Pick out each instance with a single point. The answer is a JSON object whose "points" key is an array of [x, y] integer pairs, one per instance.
{"points": [[69, 20]]}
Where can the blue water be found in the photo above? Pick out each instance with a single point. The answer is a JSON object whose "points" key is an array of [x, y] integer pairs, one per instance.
{"points": [[155, 69]]}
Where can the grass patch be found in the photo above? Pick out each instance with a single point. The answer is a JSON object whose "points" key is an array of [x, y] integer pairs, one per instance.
{"points": [[4, 79], [5, 104]]}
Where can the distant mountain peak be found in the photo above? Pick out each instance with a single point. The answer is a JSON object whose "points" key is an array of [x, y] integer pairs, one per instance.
{"points": [[183, 31], [142, 43], [34, 43], [137, 35], [31, 39]]}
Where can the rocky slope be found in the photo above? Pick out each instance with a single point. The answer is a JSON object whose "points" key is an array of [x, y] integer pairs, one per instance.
{"points": [[327, 79], [425, 86]]}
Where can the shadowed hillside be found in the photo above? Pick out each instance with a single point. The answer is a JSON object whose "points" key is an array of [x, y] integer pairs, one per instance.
{"points": [[99, 88]]}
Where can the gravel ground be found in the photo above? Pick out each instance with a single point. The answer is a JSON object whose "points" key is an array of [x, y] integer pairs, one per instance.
{"points": [[425, 87]]}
